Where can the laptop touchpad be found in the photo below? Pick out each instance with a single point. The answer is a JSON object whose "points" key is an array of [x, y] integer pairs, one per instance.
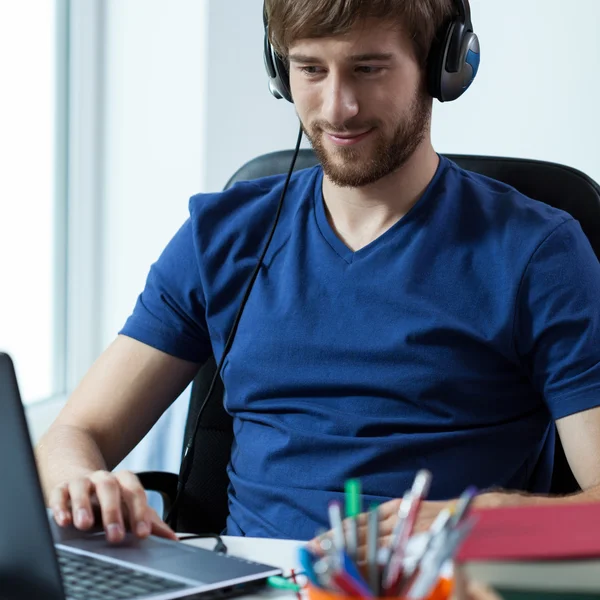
{"points": [[173, 558]]}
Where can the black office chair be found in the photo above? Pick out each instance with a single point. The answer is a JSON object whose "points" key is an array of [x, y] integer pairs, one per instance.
{"points": [[204, 506]]}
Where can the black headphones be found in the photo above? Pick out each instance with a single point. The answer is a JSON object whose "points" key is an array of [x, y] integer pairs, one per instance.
{"points": [[452, 63]]}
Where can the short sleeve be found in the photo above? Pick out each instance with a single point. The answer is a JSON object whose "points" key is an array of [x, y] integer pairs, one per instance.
{"points": [[169, 314], [557, 321]]}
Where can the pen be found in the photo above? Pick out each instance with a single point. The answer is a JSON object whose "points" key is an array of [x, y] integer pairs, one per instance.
{"points": [[403, 511], [428, 573], [307, 560], [324, 569], [353, 573], [349, 586], [281, 583], [337, 527], [448, 528], [440, 523], [407, 515], [352, 489], [463, 505], [373, 549]]}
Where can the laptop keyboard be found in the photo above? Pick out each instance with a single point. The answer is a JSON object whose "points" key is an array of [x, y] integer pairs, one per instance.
{"points": [[87, 578]]}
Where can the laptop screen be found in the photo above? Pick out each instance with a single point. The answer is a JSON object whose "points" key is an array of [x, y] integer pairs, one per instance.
{"points": [[28, 565]]}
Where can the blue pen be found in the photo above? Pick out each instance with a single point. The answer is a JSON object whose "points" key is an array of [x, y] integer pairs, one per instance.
{"points": [[349, 568], [307, 560]]}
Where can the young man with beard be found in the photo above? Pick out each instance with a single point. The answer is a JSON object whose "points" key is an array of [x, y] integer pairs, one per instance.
{"points": [[408, 314]]}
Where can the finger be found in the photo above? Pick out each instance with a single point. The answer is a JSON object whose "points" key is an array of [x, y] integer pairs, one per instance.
{"points": [[386, 526], [58, 501], [363, 549], [389, 509], [80, 491], [160, 528], [135, 498], [478, 591], [109, 497], [425, 519]]}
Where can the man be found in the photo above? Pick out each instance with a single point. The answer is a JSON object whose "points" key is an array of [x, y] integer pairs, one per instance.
{"points": [[408, 313]]}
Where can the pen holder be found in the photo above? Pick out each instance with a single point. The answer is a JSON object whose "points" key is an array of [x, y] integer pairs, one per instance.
{"points": [[442, 591]]}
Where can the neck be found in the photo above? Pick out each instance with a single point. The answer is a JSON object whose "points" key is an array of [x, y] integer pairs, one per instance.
{"points": [[360, 215]]}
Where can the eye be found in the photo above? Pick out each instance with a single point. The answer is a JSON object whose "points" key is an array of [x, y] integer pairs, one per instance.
{"points": [[311, 70], [369, 70]]}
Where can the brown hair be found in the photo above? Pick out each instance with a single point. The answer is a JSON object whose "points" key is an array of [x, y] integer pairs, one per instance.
{"points": [[291, 20]]}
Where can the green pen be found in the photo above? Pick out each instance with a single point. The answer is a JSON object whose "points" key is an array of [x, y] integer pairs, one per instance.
{"points": [[281, 583], [353, 509]]}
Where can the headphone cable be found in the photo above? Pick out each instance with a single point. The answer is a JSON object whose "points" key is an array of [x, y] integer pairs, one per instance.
{"points": [[186, 463]]}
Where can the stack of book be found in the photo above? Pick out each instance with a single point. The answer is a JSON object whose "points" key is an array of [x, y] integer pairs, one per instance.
{"points": [[548, 552]]}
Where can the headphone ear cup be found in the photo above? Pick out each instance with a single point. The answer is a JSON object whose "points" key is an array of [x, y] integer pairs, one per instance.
{"points": [[279, 79], [454, 85], [283, 78], [463, 47], [436, 59]]}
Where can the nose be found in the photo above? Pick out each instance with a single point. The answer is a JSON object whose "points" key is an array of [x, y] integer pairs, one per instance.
{"points": [[340, 103]]}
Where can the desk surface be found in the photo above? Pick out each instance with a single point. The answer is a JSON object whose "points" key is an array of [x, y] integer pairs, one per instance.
{"points": [[279, 553]]}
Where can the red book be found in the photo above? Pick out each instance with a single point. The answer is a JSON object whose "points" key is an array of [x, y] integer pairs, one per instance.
{"points": [[534, 533]]}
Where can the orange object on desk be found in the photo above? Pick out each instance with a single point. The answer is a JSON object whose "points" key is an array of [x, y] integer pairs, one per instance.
{"points": [[442, 591]]}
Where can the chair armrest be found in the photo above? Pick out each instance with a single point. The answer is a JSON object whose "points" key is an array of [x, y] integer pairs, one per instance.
{"points": [[163, 483]]}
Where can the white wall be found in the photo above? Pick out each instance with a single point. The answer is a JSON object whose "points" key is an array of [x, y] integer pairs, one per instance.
{"points": [[154, 149], [245, 120]]}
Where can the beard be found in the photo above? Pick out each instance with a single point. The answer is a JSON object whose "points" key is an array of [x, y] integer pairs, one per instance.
{"points": [[375, 158]]}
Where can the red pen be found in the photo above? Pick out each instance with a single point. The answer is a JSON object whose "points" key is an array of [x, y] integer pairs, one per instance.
{"points": [[407, 516]]}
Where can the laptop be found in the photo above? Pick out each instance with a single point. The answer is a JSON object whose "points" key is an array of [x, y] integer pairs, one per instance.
{"points": [[38, 559]]}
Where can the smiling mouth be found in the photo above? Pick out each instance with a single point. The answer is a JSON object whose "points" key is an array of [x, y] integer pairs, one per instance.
{"points": [[347, 139]]}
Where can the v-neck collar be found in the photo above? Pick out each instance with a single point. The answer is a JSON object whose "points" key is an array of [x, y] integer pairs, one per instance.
{"points": [[340, 247]]}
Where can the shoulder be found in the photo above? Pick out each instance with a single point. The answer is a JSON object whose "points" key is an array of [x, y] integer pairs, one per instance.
{"points": [[248, 203], [499, 210]]}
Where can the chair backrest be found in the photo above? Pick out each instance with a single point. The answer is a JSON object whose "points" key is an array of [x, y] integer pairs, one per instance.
{"points": [[204, 505]]}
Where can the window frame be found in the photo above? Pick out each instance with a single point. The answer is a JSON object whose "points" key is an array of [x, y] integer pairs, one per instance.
{"points": [[77, 197]]}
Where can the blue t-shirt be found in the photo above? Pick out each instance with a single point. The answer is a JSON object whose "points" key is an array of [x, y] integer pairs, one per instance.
{"points": [[448, 343]]}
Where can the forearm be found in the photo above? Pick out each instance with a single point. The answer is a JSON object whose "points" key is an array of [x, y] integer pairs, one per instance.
{"points": [[505, 498], [66, 452]]}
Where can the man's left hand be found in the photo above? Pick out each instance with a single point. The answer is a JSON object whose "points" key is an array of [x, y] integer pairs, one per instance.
{"points": [[428, 511]]}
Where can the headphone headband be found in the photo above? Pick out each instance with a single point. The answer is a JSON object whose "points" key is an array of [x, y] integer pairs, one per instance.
{"points": [[452, 64], [464, 12]]}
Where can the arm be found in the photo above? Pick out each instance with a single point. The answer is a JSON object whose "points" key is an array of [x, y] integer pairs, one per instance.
{"points": [[115, 405], [580, 436]]}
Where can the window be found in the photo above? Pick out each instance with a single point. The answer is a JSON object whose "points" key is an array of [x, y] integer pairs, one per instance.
{"points": [[32, 199]]}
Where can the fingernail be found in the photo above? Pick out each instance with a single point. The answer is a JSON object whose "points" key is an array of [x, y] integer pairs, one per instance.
{"points": [[63, 517], [114, 532], [143, 529], [81, 517]]}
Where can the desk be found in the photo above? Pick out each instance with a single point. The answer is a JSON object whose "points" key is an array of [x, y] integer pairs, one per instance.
{"points": [[279, 553]]}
